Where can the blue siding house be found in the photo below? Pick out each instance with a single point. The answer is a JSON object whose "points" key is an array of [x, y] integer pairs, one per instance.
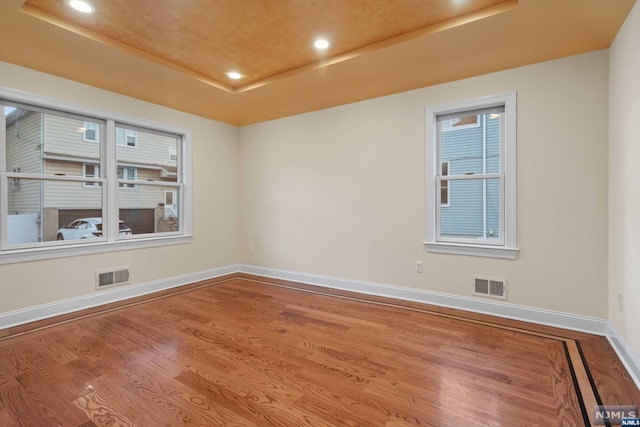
{"points": [[470, 208]]}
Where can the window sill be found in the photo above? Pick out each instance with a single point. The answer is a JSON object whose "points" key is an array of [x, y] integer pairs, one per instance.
{"points": [[34, 254], [472, 250]]}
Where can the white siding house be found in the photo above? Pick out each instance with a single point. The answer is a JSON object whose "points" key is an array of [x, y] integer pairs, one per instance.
{"points": [[69, 146], [24, 147]]}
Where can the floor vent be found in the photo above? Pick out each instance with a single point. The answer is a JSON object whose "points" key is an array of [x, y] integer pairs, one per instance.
{"points": [[490, 287], [119, 276]]}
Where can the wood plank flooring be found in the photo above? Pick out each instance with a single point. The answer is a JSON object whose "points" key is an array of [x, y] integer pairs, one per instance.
{"points": [[249, 351]]}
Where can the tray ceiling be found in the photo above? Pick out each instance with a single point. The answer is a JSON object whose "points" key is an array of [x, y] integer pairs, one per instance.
{"points": [[178, 53]]}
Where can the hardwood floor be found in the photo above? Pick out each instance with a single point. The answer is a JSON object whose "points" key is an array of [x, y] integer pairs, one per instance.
{"points": [[245, 351]]}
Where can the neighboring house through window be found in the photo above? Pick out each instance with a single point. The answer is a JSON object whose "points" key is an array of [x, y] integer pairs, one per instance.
{"points": [[470, 188], [73, 163]]}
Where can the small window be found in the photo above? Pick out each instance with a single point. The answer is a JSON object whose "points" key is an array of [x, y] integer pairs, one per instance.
{"points": [[470, 188], [126, 137], [91, 171], [444, 186], [463, 122], [129, 174], [173, 155], [14, 183], [90, 132]]}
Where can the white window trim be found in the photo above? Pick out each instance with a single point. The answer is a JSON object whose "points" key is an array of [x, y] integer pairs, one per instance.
{"points": [[112, 243], [509, 249]]}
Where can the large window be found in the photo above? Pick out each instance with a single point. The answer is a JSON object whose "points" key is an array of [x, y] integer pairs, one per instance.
{"points": [[471, 175], [79, 184]]}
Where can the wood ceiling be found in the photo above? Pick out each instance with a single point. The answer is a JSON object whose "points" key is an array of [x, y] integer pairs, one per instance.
{"points": [[177, 54]]}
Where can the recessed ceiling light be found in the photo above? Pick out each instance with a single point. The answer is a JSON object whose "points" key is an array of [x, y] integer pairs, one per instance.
{"points": [[81, 6], [234, 75], [321, 44]]}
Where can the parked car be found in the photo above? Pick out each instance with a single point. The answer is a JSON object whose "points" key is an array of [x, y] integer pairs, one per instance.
{"points": [[88, 228]]}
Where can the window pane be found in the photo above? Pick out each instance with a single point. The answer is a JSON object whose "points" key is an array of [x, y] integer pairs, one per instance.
{"points": [[150, 209], [46, 143], [154, 158], [40, 209], [493, 141], [472, 207], [23, 131], [474, 210], [473, 149]]}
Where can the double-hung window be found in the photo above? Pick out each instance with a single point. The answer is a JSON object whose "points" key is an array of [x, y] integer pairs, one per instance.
{"points": [[90, 131], [77, 165], [471, 177], [91, 171], [127, 174], [126, 137]]}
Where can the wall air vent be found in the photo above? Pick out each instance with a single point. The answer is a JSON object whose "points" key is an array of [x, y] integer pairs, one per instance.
{"points": [[490, 287], [118, 276]]}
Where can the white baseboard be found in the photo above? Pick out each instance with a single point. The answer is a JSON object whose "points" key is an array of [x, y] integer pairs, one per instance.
{"points": [[510, 311], [31, 314], [557, 319], [629, 358]]}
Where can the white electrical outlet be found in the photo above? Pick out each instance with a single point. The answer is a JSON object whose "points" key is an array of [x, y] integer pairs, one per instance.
{"points": [[252, 250], [418, 266]]}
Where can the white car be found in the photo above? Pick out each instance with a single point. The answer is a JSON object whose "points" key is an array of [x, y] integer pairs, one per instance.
{"points": [[88, 228]]}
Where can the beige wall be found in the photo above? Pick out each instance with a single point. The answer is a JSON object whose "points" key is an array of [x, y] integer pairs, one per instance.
{"points": [[624, 180], [340, 192], [215, 205]]}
